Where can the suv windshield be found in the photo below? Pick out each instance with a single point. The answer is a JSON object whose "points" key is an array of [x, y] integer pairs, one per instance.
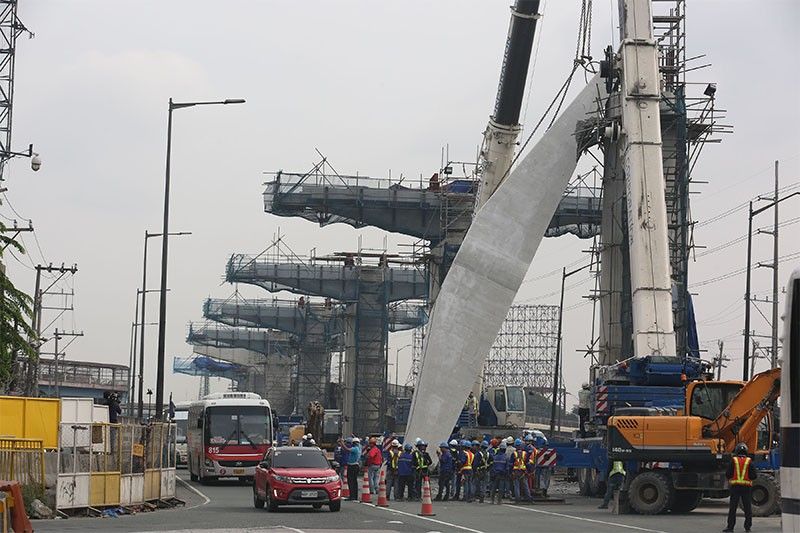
{"points": [[239, 425], [299, 458]]}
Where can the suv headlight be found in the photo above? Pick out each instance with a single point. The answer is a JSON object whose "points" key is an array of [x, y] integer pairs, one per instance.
{"points": [[282, 479], [331, 479]]}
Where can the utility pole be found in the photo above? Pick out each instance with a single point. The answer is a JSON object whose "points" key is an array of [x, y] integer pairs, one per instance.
{"points": [[774, 352], [58, 336], [31, 379], [720, 359]]}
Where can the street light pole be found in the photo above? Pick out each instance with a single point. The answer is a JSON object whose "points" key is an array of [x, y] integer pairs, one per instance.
{"points": [[162, 312]]}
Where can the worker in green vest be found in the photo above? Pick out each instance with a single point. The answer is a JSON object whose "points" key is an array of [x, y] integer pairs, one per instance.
{"points": [[616, 478]]}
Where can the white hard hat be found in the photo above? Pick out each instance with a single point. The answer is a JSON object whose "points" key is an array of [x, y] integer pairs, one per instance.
{"points": [[417, 440], [395, 442], [454, 442], [585, 385], [356, 439], [309, 436], [313, 442], [509, 440]]}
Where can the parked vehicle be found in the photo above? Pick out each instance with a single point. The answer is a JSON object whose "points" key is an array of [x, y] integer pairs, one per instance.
{"points": [[294, 475]]}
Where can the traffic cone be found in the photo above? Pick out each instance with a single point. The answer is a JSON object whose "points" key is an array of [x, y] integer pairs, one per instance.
{"points": [[345, 484], [427, 504], [366, 497], [382, 500]]}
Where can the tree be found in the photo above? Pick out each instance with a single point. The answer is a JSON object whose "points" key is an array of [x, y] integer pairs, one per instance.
{"points": [[16, 312]]}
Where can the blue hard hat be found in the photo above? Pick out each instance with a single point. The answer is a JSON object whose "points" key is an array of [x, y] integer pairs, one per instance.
{"points": [[407, 446], [518, 442], [484, 444], [465, 442], [528, 437], [443, 445], [503, 445], [422, 444], [475, 443]]}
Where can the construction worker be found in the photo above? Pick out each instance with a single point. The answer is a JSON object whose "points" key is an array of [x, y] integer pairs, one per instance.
{"points": [[584, 402], [373, 461], [519, 479], [455, 449], [741, 474], [446, 469], [481, 468], [616, 478], [405, 472], [499, 474], [466, 458], [422, 463], [392, 457], [530, 463], [352, 448], [543, 473], [471, 405]]}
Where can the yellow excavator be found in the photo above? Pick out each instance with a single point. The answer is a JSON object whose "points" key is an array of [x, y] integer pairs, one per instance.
{"points": [[677, 456]]}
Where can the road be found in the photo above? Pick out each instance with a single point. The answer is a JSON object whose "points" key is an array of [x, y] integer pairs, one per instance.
{"points": [[228, 507]]}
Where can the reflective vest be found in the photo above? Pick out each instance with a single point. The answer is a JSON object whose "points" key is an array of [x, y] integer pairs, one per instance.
{"points": [[532, 457], [617, 468], [519, 460], [741, 478], [484, 460], [469, 456], [394, 455]]}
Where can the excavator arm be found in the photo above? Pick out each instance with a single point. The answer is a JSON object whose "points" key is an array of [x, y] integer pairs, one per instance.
{"points": [[738, 422]]}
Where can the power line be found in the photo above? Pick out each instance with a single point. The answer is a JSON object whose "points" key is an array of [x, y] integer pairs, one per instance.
{"points": [[739, 271]]}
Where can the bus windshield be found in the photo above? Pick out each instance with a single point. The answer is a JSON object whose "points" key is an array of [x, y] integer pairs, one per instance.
{"points": [[515, 398], [237, 425]]}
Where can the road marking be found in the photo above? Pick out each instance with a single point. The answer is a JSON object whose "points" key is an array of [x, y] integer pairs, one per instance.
{"points": [[291, 529], [616, 524], [442, 522], [191, 488]]}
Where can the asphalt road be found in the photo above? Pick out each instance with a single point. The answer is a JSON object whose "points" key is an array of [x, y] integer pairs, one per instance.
{"points": [[228, 507]]}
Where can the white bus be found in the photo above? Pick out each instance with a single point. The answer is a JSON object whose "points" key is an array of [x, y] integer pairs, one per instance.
{"points": [[790, 409], [228, 435], [181, 420]]}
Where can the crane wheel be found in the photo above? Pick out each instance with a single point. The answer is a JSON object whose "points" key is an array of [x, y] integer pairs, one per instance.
{"points": [[765, 495], [686, 501], [651, 493]]}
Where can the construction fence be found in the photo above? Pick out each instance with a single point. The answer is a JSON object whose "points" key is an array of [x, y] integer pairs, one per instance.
{"points": [[103, 464]]}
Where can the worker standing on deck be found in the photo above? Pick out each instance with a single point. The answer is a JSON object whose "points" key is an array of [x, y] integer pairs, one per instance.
{"points": [[471, 405], [519, 479], [584, 401], [392, 457], [741, 474], [405, 472], [466, 458], [616, 478], [446, 469]]}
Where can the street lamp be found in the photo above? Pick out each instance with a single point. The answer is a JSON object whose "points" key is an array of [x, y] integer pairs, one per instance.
{"points": [[162, 313], [143, 292], [557, 369], [752, 213]]}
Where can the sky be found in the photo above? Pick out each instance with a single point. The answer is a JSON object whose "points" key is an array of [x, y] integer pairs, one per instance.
{"points": [[376, 87]]}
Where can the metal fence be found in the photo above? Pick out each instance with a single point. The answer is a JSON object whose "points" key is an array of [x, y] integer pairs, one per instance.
{"points": [[22, 460]]}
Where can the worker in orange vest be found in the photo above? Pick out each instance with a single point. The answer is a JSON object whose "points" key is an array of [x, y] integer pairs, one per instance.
{"points": [[741, 474]]}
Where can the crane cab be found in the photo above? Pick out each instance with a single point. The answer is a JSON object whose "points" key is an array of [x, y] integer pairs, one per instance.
{"points": [[503, 406]]}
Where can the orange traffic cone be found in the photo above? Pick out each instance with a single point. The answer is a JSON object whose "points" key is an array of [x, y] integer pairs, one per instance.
{"points": [[366, 497], [382, 500], [427, 504], [345, 484]]}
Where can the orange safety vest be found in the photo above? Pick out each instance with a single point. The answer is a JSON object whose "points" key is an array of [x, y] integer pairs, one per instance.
{"points": [[519, 460], [532, 457], [468, 463], [741, 478]]}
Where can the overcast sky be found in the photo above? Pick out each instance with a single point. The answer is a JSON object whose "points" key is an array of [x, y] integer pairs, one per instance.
{"points": [[375, 86]]}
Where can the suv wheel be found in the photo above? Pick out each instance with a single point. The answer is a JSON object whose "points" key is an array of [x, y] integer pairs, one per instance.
{"points": [[336, 506], [272, 505], [258, 503]]}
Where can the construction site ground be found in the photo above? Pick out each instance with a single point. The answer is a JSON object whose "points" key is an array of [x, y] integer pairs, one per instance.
{"points": [[228, 507]]}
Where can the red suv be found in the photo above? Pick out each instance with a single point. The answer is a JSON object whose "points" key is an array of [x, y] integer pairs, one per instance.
{"points": [[294, 475]]}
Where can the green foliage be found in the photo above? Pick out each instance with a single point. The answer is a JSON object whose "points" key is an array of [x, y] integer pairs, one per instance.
{"points": [[16, 312]]}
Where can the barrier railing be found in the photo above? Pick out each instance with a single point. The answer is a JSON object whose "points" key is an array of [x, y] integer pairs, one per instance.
{"points": [[22, 460]]}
